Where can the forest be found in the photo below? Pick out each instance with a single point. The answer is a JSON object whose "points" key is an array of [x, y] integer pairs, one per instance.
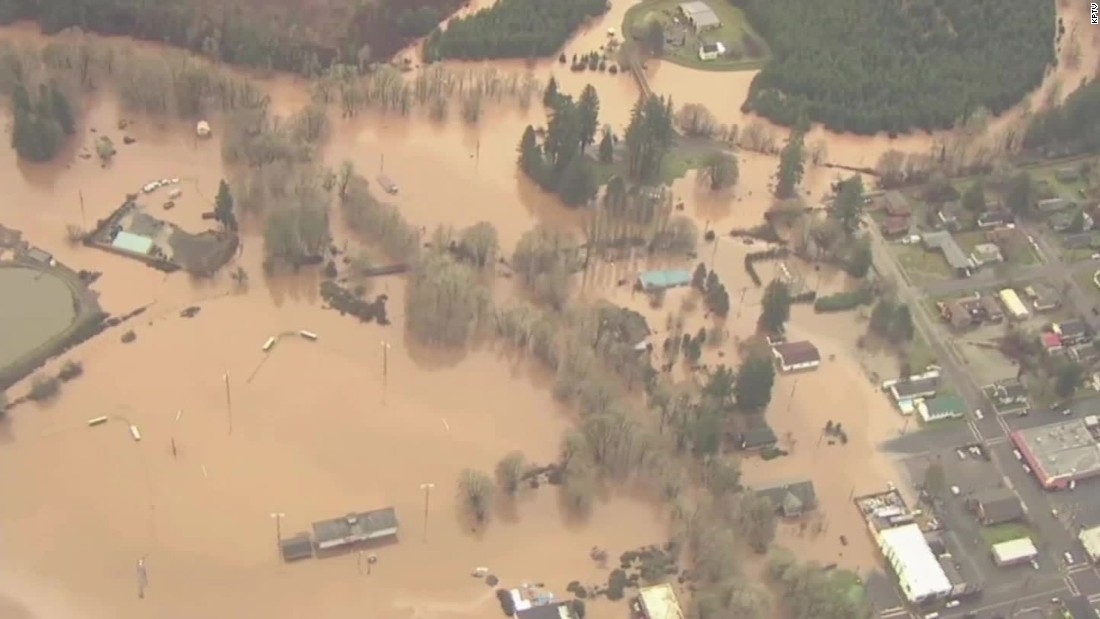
{"points": [[865, 66], [512, 29], [1070, 128], [269, 35]]}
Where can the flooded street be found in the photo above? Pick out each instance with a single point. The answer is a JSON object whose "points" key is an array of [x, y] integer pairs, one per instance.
{"points": [[314, 430]]}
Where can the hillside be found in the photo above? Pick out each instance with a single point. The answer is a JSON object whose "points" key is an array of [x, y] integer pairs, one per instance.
{"points": [[895, 65], [291, 35]]}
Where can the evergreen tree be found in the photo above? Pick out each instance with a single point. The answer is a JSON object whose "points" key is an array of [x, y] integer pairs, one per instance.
{"points": [[589, 110], [607, 147], [791, 166], [974, 198], [223, 207], [550, 95], [563, 134], [62, 111], [753, 387], [1020, 193], [848, 206], [648, 139], [776, 307], [578, 181]]}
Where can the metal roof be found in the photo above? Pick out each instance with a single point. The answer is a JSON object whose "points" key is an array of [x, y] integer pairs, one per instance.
{"points": [[128, 241], [670, 278], [659, 602]]}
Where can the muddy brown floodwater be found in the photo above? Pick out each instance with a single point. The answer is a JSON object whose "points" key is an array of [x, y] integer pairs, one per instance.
{"points": [[315, 432]]}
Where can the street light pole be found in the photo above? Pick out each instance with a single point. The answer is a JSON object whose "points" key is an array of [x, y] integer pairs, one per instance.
{"points": [[228, 402], [278, 518], [385, 368], [427, 488]]}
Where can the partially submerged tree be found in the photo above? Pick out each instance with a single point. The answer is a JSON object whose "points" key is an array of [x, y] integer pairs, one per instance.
{"points": [[543, 260], [475, 494], [719, 171], [509, 472], [754, 383], [445, 301], [776, 307], [223, 207]]}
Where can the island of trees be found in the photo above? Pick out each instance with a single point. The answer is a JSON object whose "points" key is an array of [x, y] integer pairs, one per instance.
{"points": [[866, 66], [513, 29], [269, 35]]}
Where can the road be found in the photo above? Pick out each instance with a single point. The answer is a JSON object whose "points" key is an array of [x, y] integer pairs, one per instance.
{"points": [[993, 430]]}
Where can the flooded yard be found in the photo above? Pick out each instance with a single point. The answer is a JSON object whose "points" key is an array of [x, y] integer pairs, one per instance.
{"points": [[37, 307]]}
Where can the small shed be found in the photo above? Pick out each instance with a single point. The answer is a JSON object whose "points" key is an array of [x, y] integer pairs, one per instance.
{"points": [[202, 129], [700, 15], [652, 281], [133, 243], [761, 437], [711, 51], [1014, 552]]}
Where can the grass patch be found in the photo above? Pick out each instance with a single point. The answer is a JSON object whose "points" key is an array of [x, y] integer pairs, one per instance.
{"points": [[675, 166], [922, 266], [731, 34], [918, 354], [1085, 279], [995, 534]]}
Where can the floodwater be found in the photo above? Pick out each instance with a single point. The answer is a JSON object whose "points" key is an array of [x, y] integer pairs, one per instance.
{"points": [[313, 430], [37, 306]]}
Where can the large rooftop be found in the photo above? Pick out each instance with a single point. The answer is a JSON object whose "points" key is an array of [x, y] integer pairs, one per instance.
{"points": [[659, 602], [1061, 452], [355, 528], [919, 572]]}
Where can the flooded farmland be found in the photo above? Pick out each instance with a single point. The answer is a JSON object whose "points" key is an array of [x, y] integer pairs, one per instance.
{"points": [[37, 307], [361, 418]]}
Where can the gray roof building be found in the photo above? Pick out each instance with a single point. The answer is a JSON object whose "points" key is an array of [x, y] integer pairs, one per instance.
{"points": [[760, 437], [556, 610], [297, 547], [997, 506], [952, 253], [791, 498], [355, 527], [700, 15]]}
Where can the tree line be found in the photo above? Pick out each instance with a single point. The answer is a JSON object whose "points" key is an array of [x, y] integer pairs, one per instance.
{"points": [[559, 163], [271, 35], [512, 29], [1070, 128], [41, 124], [866, 66]]}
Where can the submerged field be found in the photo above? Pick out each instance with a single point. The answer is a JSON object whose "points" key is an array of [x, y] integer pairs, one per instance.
{"points": [[38, 306]]}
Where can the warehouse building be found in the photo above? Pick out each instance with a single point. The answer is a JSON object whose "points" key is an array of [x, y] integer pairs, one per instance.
{"points": [[1061, 454], [919, 573], [1014, 552]]}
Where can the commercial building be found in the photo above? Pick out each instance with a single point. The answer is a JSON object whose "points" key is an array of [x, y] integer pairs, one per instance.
{"points": [[296, 547], [996, 506], [552, 610], [355, 528], [1015, 306], [795, 356], [941, 407], [659, 602], [1090, 539], [1060, 454], [1014, 552], [652, 281], [920, 575], [133, 243]]}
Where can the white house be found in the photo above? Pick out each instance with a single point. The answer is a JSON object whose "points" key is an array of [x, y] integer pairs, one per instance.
{"points": [[711, 51]]}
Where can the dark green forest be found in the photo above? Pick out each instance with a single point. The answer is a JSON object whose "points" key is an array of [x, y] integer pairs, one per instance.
{"points": [[40, 125], [513, 29], [272, 34], [1071, 128], [865, 66]]}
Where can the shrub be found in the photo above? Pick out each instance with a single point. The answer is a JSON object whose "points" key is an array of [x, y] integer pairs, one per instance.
{"points": [[842, 301], [44, 387], [70, 370]]}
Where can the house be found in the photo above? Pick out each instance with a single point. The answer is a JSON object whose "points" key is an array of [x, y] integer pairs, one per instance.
{"points": [[354, 528], [956, 313], [996, 506], [296, 547], [652, 281], [39, 256], [711, 51], [952, 253], [790, 498], [700, 15], [1090, 539], [761, 437], [991, 310], [896, 205], [1052, 205], [1050, 341], [552, 610], [659, 602], [914, 388], [795, 356], [1043, 297], [1067, 175], [894, 227], [1006, 395], [1062, 221], [951, 216], [994, 218], [1072, 332], [941, 407], [986, 253], [133, 243]]}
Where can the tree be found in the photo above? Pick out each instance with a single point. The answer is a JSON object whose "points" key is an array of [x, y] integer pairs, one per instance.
{"points": [[648, 138], [589, 110], [791, 166], [3, 404], [223, 207], [550, 95], [882, 318], [563, 134], [1067, 378], [699, 278], [655, 37], [753, 388], [860, 261], [935, 479], [480, 241], [776, 307], [543, 260], [607, 146], [61, 110], [756, 516], [974, 197], [848, 206], [902, 328], [696, 120], [445, 301], [718, 300], [719, 171], [510, 471], [578, 184], [475, 494], [105, 149], [720, 385]]}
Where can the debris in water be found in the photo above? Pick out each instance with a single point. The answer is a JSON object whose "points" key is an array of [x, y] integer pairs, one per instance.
{"points": [[128, 140], [190, 312], [128, 337], [491, 580]]}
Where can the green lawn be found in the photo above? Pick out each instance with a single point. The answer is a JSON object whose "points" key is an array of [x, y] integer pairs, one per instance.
{"points": [[731, 34], [918, 353], [676, 164], [1006, 532], [922, 266], [1024, 255], [1088, 285]]}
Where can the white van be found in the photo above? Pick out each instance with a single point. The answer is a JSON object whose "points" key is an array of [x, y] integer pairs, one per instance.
{"points": [[1016, 452], [952, 604], [1068, 557], [978, 413]]}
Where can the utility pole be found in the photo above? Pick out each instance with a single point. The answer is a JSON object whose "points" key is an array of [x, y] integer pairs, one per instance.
{"points": [[278, 518], [427, 488], [385, 368], [228, 402], [83, 217], [790, 400]]}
